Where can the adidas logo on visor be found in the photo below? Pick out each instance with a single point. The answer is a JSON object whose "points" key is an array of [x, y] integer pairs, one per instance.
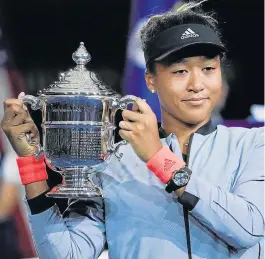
{"points": [[188, 34]]}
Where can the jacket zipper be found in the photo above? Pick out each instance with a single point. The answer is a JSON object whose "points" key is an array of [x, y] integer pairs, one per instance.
{"points": [[186, 213], [185, 210], [189, 147]]}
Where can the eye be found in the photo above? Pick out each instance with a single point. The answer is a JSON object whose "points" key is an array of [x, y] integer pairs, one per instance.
{"points": [[180, 72], [209, 69]]}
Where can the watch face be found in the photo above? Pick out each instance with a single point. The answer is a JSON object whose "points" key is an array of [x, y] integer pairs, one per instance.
{"points": [[181, 178]]}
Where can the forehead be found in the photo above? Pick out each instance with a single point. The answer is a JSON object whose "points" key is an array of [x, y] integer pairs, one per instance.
{"points": [[191, 53], [192, 61], [196, 59]]}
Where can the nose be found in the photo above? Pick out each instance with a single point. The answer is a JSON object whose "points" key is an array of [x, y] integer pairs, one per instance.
{"points": [[196, 83]]}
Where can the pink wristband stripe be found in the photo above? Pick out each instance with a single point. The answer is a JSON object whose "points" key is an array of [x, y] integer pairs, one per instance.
{"points": [[164, 163], [31, 170]]}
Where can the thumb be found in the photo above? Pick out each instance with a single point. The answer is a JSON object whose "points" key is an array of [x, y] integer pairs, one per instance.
{"points": [[143, 107], [135, 108], [22, 94]]}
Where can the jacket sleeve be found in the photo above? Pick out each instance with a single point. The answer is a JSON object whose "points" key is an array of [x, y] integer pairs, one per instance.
{"points": [[237, 216], [79, 233]]}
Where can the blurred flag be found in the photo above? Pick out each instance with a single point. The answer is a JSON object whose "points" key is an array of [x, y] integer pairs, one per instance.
{"points": [[134, 82], [11, 84]]}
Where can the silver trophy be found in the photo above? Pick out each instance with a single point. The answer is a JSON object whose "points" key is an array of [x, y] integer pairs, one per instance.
{"points": [[78, 122]]}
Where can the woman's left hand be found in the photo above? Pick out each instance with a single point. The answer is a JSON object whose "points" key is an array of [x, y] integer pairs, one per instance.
{"points": [[139, 128]]}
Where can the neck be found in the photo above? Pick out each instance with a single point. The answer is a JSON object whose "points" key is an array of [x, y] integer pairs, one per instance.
{"points": [[181, 129]]}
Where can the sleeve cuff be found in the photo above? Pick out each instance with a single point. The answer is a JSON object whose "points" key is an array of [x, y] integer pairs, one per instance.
{"points": [[40, 203], [199, 188], [195, 190]]}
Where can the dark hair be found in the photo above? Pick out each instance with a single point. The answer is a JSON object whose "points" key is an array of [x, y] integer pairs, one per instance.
{"points": [[186, 13]]}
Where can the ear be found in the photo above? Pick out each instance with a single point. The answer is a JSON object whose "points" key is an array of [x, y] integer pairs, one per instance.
{"points": [[150, 79]]}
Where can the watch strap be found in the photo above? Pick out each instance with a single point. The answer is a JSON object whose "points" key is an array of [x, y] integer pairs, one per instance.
{"points": [[171, 186]]}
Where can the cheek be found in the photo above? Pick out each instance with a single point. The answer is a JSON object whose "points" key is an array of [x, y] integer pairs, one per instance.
{"points": [[218, 98], [170, 89], [169, 95], [215, 88]]}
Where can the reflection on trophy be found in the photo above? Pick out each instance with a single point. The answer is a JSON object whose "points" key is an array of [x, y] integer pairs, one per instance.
{"points": [[78, 127]]}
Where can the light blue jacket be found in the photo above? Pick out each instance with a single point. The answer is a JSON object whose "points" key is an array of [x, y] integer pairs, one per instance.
{"points": [[140, 220]]}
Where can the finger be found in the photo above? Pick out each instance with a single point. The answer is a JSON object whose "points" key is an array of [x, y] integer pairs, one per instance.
{"points": [[143, 106], [126, 125], [131, 115], [20, 119], [126, 135], [22, 94], [135, 108], [12, 111], [34, 132], [34, 136], [29, 127], [12, 101]]}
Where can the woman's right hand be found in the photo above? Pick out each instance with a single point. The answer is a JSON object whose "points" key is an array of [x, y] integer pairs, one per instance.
{"points": [[16, 123]]}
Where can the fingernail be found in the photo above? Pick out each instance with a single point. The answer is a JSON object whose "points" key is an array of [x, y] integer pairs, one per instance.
{"points": [[25, 107], [21, 95]]}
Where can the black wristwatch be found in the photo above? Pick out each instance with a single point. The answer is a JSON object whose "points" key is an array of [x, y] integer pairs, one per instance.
{"points": [[179, 179]]}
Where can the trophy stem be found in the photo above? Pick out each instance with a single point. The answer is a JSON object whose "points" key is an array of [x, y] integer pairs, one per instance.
{"points": [[77, 184]]}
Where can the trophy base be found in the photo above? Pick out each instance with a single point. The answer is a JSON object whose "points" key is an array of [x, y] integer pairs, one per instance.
{"points": [[69, 191]]}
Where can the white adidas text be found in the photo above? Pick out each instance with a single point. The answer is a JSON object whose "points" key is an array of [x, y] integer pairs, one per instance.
{"points": [[188, 34]]}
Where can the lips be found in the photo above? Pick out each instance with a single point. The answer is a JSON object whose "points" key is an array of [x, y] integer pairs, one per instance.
{"points": [[195, 101]]}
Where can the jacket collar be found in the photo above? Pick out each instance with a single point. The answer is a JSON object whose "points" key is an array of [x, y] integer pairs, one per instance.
{"points": [[204, 130]]}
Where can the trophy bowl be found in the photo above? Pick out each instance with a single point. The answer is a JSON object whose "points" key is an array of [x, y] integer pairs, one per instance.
{"points": [[78, 122]]}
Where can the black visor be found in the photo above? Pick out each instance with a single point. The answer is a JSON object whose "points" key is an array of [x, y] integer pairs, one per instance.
{"points": [[180, 37]]}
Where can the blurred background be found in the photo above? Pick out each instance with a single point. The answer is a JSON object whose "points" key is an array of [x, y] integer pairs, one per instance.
{"points": [[37, 39]]}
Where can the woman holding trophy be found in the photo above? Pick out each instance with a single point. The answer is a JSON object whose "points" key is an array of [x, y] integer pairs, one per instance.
{"points": [[185, 189]]}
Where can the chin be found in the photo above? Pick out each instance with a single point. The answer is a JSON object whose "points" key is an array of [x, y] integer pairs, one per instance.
{"points": [[191, 117], [194, 120]]}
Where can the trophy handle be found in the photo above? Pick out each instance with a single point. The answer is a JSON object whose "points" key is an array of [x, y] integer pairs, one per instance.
{"points": [[35, 104], [122, 104], [55, 169], [114, 149]]}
